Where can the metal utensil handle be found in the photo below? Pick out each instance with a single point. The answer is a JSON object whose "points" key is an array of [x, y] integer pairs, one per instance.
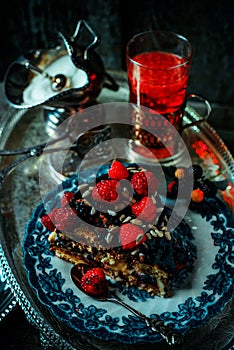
{"points": [[34, 150], [37, 151], [7, 170], [96, 38], [170, 335], [29, 150]]}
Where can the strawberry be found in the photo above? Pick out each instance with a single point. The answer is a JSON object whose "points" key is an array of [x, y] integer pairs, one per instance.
{"points": [[131, 235], [118, 171], [105, 190], [94, 282], [144, 183], [67, 196], [145, 209], [46, 221]]}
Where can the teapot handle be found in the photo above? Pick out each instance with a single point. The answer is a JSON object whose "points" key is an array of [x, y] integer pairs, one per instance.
{"points": [[96, 38], [81, 60], [68, 42], [198, 117]]}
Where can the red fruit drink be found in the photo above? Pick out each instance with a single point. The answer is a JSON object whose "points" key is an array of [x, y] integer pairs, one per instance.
{"points": [[158, 80]]}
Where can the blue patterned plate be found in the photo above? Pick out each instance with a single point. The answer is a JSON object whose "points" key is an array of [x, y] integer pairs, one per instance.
{"points": [[207, 290]]}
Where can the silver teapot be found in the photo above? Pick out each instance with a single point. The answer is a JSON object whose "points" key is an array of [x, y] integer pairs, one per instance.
{"points": [[61, 79]]}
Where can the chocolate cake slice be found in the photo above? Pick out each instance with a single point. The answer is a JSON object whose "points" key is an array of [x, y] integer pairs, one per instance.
{"points": [[123, 230]]}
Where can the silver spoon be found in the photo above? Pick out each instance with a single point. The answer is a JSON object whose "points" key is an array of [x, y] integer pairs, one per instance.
{"points": [[170, 335], [58, 82]]}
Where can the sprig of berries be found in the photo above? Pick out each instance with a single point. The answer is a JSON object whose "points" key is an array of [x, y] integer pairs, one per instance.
{"points": [[94, 283], [202, 188]]}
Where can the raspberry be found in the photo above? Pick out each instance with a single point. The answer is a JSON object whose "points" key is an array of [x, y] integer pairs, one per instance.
{"points": [[94, 282], [144, 183], [67, 196], [46, 221], [197, 195], [118, 171], [105, 190], [195, 170], [145, 209], [208, 188], [131, 235], [63, 218]]}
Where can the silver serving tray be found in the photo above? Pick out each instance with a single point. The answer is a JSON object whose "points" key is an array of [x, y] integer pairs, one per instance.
{"points": [[7, 300], [21, 194]]}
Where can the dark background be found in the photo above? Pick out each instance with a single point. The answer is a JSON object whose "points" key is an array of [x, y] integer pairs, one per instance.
{"points": [[208, 24]]}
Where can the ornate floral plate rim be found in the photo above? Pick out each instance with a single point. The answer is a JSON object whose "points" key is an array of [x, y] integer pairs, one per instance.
{"points": [[196, 304]]}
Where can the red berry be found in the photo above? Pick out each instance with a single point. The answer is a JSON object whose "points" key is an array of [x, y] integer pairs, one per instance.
{"points": [[145, 209], [118, 171], [144, 183], [172, 188], [63, 218], [105, 190], [67, 196], [131, 235], [197, 195], [93, 282], [46, 221]]}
